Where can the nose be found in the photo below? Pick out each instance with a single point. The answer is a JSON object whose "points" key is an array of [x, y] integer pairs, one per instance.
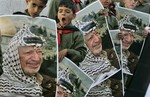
{"points": [[36, 9], [63, 13], [36, 56], [128, 38]]}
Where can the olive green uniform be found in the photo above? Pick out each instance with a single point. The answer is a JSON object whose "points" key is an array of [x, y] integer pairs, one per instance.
{"points": [[74, 42]]}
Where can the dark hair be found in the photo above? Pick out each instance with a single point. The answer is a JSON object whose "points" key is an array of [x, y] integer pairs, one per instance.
{"points": [[69, 4], [44, 1]]}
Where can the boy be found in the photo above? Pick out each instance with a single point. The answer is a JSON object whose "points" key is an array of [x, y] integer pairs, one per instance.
{"points": [[70, 40], [54, 7], [34, 8], [130, 3]]}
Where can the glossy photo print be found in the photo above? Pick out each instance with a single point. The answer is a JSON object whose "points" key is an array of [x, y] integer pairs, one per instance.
{"points": [[132, 26], [29, 50], [72, 80], [1, 71], [116, 41], [101, 61]]}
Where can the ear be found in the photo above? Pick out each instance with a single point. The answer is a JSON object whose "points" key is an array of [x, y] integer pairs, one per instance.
{"points": [[74, 16], [27, 1]]}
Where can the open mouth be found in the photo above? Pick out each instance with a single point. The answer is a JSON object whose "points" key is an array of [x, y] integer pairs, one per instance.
{"points": [[63, 19]]}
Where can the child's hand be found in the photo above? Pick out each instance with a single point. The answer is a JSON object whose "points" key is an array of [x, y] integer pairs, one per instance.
{"points": [[62, 54], [59, 26]]}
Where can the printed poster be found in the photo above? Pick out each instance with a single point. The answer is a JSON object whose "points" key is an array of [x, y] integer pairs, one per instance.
{"points": [[70, 73], [44, 28], [134, 22], [104, 70]]}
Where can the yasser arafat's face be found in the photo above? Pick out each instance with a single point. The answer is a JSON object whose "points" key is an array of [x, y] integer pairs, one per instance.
{"points": [[127, 39], [94, 42], [30, 59]]}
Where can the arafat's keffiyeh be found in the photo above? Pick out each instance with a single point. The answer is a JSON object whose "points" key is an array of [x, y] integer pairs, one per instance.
{"points": [[13, 80], [96, 66]]}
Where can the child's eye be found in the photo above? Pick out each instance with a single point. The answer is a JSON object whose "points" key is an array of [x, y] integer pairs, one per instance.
{"points": [[33, 4], [59, 11], [67, 11], [41, 7]]}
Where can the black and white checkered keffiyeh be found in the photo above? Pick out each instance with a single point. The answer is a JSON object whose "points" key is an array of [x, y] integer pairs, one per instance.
{"points": [[96, 66], [125, 68], [13, 80], [101, 90]]}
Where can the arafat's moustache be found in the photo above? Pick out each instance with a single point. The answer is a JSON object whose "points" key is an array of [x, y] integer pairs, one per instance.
{"points": [[127, 42], [33, 62], [95, 44]]}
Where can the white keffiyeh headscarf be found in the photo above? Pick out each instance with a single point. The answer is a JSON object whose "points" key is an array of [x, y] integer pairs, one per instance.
{"points": [[125, 68], [101, 90], [13, 80], [96, 66]]}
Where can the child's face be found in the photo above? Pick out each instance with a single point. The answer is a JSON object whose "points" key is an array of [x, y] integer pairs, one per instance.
{"points": [[130, 3], [105, 3], [35, 7], [65, 16]]}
